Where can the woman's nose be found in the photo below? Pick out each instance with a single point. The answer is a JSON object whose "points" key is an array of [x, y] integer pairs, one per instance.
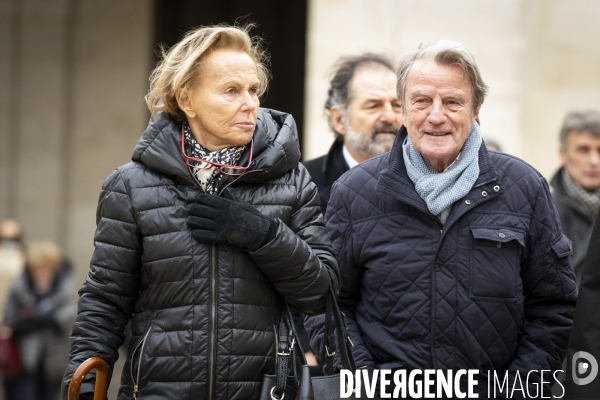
{"points": [[249, 101]]}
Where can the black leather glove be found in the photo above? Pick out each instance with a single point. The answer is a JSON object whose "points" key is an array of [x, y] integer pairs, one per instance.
{"points": [[216, 219]]}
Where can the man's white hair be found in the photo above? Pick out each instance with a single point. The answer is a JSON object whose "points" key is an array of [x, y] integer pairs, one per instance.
{"points": [[444, 52]]}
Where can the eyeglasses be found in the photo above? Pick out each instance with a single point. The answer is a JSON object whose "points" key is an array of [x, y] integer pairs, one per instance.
{"points": [[231, 170]]}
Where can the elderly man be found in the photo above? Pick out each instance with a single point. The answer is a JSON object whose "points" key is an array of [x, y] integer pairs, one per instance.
{"points": [[364, 114], [576, 186], [451, 257]]}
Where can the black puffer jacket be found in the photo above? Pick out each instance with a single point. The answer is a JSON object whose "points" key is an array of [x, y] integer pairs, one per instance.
{"points": [[202, 316]]}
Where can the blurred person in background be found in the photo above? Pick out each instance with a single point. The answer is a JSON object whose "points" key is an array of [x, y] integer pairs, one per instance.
{"points": [[11, 233], [576, 185], [364, 114], [40, 311], [202, 237], [12, 255], [582, 375], [12, 261], [451, 256]]}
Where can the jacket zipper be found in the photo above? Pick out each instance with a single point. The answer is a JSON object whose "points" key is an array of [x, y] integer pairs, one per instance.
{"points": [[213, 297], [237, 179], [191, 170], [136, 381], [213, 321]]}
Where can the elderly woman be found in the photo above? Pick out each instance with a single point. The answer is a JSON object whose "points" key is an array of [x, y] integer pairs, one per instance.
{"points": [[204, 235]]}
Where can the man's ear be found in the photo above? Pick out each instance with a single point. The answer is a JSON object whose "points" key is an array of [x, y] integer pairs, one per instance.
{"points": [[476, 114], [337, 120], [184, 101]]}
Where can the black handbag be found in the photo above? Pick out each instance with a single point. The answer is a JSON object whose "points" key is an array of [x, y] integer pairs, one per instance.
{"points": [[299, 385]]}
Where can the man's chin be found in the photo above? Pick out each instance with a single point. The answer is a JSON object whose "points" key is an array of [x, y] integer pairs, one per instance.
{"points": [[385, 141], [381, 148], [385, 135], [591, 186]]}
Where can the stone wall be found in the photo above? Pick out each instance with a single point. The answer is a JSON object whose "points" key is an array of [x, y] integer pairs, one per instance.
{"points": [[72, 75]]}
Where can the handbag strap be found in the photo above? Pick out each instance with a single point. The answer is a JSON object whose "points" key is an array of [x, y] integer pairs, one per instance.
{"points": [[285, 344], [336, 327], [330, 341]]}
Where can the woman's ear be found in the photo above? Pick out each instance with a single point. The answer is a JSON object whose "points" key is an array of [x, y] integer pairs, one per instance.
{"points": [[184, 101]]}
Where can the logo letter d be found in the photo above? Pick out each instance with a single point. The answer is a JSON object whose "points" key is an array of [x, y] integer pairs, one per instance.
{"points": [[590, 362]]}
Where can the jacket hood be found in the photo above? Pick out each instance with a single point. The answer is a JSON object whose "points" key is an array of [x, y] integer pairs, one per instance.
{"points": [[275, 148]]}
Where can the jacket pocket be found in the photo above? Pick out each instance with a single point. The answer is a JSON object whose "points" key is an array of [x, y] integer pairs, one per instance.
{"points": [[495, 264], [136, 364], [563, 247]]}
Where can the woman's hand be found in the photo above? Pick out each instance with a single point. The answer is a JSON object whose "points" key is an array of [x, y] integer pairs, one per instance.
{"points": [[216, 219]]}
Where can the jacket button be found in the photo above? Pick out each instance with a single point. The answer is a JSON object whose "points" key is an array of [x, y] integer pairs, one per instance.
{"points": [[484, 193], [437, 343], [501, 235], [496, 188], [467, 202], [437, 267], [498, 245]]}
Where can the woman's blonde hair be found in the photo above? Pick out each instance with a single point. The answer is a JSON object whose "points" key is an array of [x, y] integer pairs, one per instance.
{"points": [[44, 254], [180, 65]]}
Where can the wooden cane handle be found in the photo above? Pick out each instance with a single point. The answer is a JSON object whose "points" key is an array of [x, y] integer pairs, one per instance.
{"points": [[82, 371]]}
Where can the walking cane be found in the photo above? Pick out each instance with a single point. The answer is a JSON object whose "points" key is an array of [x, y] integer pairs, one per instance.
{"points": [[82, 371]]}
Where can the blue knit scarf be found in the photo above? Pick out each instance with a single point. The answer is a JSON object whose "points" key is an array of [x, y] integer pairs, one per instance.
{"points": [[441, 189]]}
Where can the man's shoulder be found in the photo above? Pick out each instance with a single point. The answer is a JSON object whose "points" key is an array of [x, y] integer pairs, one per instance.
{"points": [[356, 190], [513, 167], [365, 172]]}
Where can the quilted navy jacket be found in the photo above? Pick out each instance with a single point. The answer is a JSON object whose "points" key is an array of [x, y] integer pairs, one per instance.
{"points": [[491, 289], [202, 316]]}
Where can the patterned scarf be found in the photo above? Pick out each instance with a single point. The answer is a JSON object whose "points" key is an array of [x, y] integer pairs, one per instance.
{"points": [[589, 201], [208, 176], [441, 189]]}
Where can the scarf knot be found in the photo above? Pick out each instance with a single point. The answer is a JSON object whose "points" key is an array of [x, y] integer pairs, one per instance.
{"points": [[209, 176], [440, 190]]}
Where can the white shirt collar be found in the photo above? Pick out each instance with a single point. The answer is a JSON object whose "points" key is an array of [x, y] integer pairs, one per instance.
{"points": [[348, 157]]}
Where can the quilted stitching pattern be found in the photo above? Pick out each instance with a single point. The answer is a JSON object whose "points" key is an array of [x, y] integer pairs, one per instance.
{"points": [[421, 295]]}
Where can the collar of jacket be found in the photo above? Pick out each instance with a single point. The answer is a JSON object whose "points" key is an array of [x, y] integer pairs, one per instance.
{"points": [[276, 149], [394, 179], [560, 195], [334, 164]]}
